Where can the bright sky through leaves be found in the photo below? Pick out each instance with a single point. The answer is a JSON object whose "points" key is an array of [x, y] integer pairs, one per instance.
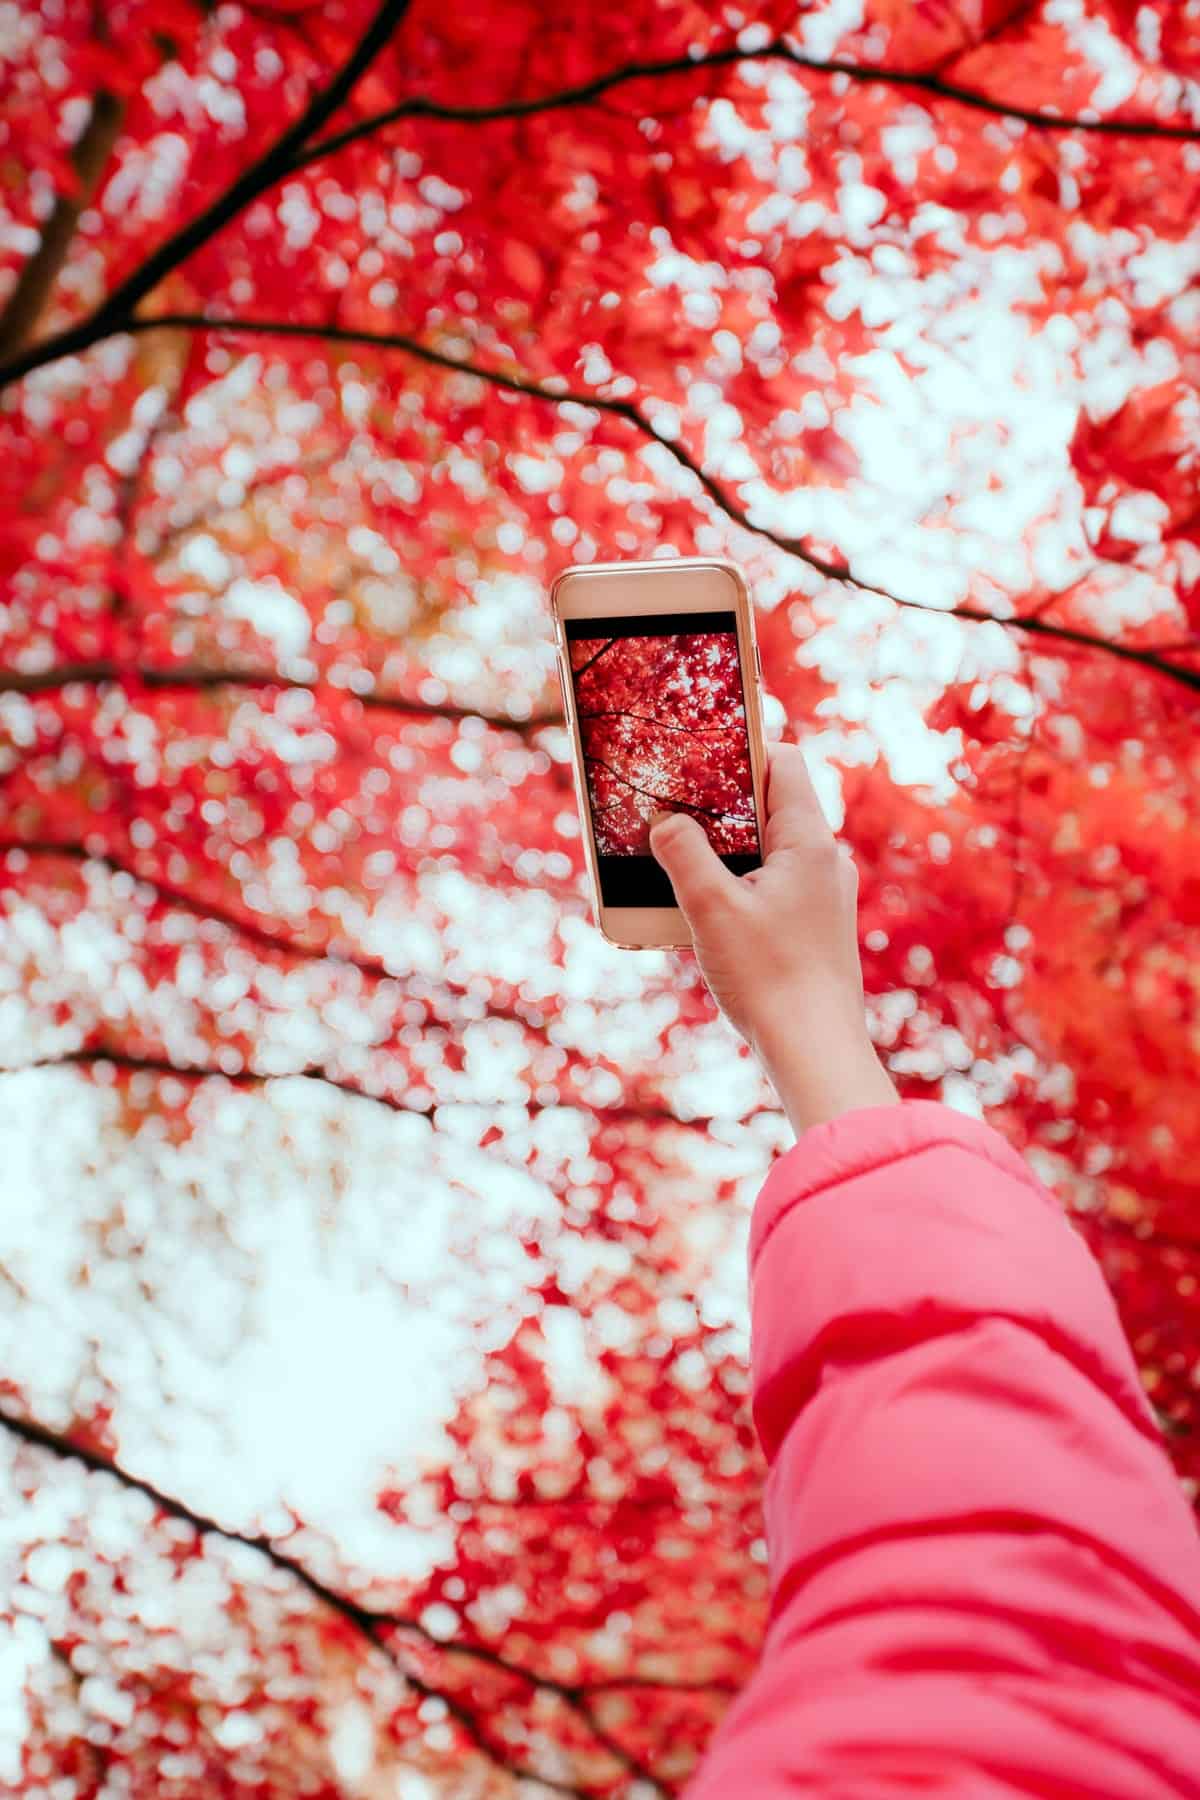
{"points": [[358, 1199]]}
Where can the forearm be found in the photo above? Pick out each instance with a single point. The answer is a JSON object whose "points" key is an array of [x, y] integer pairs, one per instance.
{"points": [[821, 1065]]}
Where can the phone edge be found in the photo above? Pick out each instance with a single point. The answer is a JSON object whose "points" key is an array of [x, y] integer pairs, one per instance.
{"points": [[751, 671]]}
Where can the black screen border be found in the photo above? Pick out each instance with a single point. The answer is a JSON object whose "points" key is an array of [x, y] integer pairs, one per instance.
{"points": [[676, 624]]}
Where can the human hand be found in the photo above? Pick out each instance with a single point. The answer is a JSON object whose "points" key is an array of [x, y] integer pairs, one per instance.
{"points": [[778, 947]]}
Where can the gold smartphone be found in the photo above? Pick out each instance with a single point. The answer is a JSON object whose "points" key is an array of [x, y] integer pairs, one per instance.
{"points": [[660, 677]]}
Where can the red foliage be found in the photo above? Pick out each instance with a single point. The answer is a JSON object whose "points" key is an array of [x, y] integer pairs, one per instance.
{"points": [[664, 729], [360, 1202]]}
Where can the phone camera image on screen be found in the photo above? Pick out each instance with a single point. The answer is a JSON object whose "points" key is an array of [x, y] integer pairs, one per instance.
{"points": [[662, 723]]}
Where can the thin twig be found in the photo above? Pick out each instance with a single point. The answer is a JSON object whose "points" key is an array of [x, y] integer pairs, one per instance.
{"points": [[633, 415], [185, 675], [878, 74], [669, 799], [91, 152], [645, 719], [581, 671], [248, 1078], [372, 1624], [373, 967]]}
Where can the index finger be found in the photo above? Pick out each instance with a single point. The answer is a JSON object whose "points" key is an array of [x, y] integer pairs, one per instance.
{"points": [[794, 817]]}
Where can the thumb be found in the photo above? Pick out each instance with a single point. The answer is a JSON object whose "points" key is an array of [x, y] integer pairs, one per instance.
{"points": [[680, 846]]}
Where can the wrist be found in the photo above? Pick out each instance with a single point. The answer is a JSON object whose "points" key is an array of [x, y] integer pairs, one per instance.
{"points": [[823, 1068]]}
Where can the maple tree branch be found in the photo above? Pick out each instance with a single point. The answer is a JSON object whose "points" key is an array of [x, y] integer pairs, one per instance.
{"points": [[421, 107], [1147, 658], [39, 272], [969, 45], [175, 896], [114, 313], [248, 1078], [583, 668], [663, 724], [368, 1621], [18, 1287], [615, 1747], [615, 1682], [621, 409], [668, 799], [374, 968], [189, 676], [722, 499], [521, 1012], [161, 1065], [289, 154], [1190, 644]]}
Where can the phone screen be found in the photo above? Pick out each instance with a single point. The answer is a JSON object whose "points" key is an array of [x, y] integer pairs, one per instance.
{"points": [[662, 722]]}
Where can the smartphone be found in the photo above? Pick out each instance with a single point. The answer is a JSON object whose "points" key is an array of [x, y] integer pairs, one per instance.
{"points": [[660, 678]]}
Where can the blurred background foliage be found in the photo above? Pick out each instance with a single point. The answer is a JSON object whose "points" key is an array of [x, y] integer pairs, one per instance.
{"points": [[375, 1405]]}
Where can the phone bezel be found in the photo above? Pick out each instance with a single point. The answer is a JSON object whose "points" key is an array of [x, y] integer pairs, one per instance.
{"points": [[600, 590]]}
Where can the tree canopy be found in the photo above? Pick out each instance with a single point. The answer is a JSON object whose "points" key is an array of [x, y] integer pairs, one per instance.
{"points": [[374, 1404]]}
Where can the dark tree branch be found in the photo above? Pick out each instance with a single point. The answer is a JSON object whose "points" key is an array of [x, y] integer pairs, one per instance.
{"points": [[374, 968], [643, 719], [620, 409], [362, 1618], [371, 967], [969, 45], [266, 939], [421, 107], [161, 1065], [668, 799], [367, 1621], [616, 1748], [23, 308], [613, 1683], [289, 152], [114, 312], [625, 409], [188, 676], [152, 1065], [1189, 645], [581, 671]]}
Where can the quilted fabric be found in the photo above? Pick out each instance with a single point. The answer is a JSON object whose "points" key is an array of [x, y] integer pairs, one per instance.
{"points": [[985, 1576]]}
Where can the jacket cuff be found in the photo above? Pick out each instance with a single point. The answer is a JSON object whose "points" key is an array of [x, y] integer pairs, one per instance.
{"points": [[866, 1138], [890, 1224]]}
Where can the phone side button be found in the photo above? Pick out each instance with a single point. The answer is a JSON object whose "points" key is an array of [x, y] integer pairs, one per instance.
{"points": [[562, 688], [758, 664]]}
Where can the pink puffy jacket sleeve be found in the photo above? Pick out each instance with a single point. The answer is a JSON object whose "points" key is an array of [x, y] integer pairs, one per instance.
{"points": [[985, 1575]]}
